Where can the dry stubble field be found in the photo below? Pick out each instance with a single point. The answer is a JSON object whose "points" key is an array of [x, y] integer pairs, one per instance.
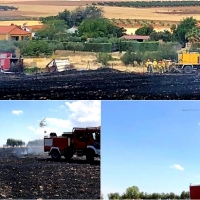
{"points": [[45, 8]]}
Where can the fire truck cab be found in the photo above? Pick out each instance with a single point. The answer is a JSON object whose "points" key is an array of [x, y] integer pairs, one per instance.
{"points": [[194, 191], [81, 141]]}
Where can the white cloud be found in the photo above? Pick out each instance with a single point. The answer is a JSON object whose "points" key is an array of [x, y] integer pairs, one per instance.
{"points": [[85, 113], [81, 114], [176, 166], [62, 106], [17, 112]]}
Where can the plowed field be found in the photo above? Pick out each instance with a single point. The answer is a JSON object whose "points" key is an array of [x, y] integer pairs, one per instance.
{"points": [[101, 84], [38, 177]]}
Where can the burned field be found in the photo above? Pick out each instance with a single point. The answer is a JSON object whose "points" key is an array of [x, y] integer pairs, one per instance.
{"points": [[30, 177], [100, 84]]}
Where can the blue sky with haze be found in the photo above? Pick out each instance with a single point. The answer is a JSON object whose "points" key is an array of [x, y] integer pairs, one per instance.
{"points": [[20, 119], [150, 144]]}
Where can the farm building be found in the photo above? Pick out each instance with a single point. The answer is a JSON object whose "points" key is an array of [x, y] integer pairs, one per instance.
{"points": [[72, 30], [13, 32], [32, 29], [139, 38]]}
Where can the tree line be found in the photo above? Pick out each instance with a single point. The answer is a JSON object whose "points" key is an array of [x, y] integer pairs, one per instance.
{"points": [[134, 193], [186, 31], [6, 8], [14, 142], [148, 4]]}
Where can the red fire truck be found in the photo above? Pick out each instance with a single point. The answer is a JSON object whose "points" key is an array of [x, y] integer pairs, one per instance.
{"points": [[81, 141], [194, 191], [7, 61]]}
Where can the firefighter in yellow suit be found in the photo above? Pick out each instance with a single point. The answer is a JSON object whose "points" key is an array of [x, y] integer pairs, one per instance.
{"points": [[160, 67], [147, 65], [170, 64], [163, 65], [155, 65]]}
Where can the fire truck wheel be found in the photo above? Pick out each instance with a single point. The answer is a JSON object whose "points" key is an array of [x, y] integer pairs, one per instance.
{"points": [[90, 156], [187, 69], [55, 155]]}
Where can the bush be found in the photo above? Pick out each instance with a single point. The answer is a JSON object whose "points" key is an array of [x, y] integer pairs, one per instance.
{"points": [[103, 58], [35, 48], [7, 46], [98, 47], [31, 70], [99, 40], [73, 46], [139, 46], [56, 46], [129, 58], [129, 45]]}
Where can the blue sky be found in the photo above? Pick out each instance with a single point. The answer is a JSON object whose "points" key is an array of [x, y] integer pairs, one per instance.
{"points": [[20, 119], [150, 144]]}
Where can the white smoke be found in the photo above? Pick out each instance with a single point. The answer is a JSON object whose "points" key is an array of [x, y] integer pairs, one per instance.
{"points": [[35, 150]]}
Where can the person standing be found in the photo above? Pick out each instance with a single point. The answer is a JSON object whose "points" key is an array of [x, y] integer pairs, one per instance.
{"points": [[155, 65]]}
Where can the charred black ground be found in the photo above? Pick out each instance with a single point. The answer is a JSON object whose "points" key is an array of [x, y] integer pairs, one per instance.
{"points": [[34, 177], [100, 84]]}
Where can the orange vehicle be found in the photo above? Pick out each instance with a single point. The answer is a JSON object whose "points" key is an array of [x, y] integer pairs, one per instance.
{"points": [[194, 191], [81, 141]]}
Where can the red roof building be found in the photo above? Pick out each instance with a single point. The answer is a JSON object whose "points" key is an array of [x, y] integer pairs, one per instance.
{"points": [[139, 38], [13, 32]]}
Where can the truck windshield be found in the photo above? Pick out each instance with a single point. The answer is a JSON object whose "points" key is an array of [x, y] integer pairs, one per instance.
{"points": [[96, 136]]}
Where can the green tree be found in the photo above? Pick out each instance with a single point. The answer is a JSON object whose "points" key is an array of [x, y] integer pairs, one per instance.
{"points": [[155, 36], [13, 142], [145, 30], [185, 195], [183, 28], [35, 48], [166, 36], [66, 16], [127, 58], [53, 30], [45, 20], [193, 36], [138, 57], [56, 46], [94, 28], [173, 27], [90, 12], [7, 46], [103, 58], [114, 196], [132, 192]]}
